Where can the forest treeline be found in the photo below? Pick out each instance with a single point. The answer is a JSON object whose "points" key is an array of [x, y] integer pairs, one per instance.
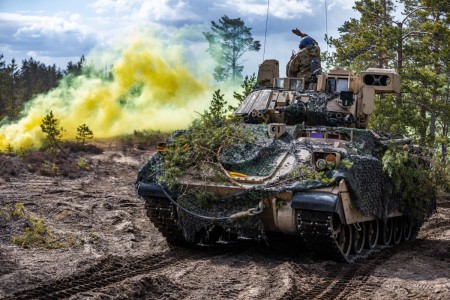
{"points": [[412, 37], [20, 83]]}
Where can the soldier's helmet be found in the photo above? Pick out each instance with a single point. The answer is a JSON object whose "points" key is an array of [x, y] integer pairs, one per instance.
{"points": [[307, 41]]}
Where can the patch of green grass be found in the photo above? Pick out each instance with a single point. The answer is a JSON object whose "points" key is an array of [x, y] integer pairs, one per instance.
{"points": [[36, 231]]}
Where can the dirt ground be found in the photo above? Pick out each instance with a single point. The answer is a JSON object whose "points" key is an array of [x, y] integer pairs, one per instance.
{"points": [[118, 253]]}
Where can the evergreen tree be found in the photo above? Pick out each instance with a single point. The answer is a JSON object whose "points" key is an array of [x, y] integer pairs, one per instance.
{"points": [[84, 133], [3, 84], [417, 46], [50, 126], [228, 41], [366, 42], [75, 68], [247, 85]]}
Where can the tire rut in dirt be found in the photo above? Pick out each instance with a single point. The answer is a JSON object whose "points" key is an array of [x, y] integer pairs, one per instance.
{"points": [[345, 279], [110, 270], [116, 269]]}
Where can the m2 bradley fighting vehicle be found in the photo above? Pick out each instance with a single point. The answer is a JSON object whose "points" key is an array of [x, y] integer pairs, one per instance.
{"points": [[311, 170]]}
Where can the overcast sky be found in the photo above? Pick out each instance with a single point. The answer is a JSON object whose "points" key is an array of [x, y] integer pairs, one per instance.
{"points": [[60, 31]]}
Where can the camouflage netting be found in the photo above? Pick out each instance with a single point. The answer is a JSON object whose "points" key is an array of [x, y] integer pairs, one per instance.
{"points": [[315, 112], [206, 204], [152, 170], [370, 188]]}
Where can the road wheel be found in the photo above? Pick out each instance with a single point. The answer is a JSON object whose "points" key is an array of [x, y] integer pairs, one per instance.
{"points": [[407, 228], [372, 233], [343, 236], [386, 232], [359, 237], [398, 230]]}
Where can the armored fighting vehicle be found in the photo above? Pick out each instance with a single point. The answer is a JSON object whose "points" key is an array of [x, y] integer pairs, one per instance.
{"points": [[312, 170]]}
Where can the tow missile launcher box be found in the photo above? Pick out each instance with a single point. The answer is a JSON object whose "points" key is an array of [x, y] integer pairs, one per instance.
{"points": [[313, 170]]}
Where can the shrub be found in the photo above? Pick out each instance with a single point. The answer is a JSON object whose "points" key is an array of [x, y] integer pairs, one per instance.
{"points": [[53, 132], [203, 141], [36, 231], [84, 133], [143, 139], [412, 179]]}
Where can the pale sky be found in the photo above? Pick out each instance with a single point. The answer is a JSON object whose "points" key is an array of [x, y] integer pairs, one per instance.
{"points": [[60, 31]]}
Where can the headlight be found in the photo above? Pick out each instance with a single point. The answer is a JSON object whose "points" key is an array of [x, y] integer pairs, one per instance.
{"points": [[325, 160]]}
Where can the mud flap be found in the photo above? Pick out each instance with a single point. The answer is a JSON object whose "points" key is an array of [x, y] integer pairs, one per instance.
{"points": [[150, 190], [318, 201]]}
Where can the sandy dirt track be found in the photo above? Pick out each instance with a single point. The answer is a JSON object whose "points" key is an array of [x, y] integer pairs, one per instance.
{"points": [[120, 255]]}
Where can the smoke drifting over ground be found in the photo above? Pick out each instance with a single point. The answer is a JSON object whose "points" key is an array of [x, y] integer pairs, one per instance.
{"points": [[151, 84]]}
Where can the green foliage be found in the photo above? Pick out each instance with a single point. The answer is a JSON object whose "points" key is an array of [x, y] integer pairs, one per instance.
{"points": [[280, 203], [345, 164], [83, 164], [412, 180], [53, 132], [36, 230], [441, 173], [202, 142], [20, 83], [202, 198], [9, 150], [417, 45], [248, 85], [84, 133], [228, 41], [49, 169], [307, 173], [19, 211], [75, 69], [143, 139], [35, 235]]}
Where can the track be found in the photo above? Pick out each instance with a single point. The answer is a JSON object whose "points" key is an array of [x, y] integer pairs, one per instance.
{"points": [[163, 215], [316, 229]]}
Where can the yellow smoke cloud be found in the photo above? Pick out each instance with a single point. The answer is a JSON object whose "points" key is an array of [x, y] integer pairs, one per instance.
{"points": [[151, 87]]}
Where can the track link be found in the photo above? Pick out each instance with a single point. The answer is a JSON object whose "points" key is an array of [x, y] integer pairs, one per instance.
{"points": [[164, 216], [316, 229]]}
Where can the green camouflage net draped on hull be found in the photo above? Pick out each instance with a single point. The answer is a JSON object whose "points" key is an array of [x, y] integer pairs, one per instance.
{"points": [[371, 189]]}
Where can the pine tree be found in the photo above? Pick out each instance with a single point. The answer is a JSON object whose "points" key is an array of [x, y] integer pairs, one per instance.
{"points": [[84, 133], [50, 126], [228, 41]]}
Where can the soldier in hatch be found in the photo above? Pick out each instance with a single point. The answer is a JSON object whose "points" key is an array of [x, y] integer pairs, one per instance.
{"points": [[306, 61]]}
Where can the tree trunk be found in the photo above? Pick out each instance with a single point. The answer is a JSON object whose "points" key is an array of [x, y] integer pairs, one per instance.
{"points": [[398, 96], [437, 72], [444, 145], [423, 132]]}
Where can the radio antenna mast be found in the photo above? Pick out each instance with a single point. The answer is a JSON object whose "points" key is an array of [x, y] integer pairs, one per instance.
{"points": [[265, 33], [326, 24]]}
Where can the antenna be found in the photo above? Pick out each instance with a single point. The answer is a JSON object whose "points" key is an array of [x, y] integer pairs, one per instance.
{"points": [[326, 23], [265, 33]]}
